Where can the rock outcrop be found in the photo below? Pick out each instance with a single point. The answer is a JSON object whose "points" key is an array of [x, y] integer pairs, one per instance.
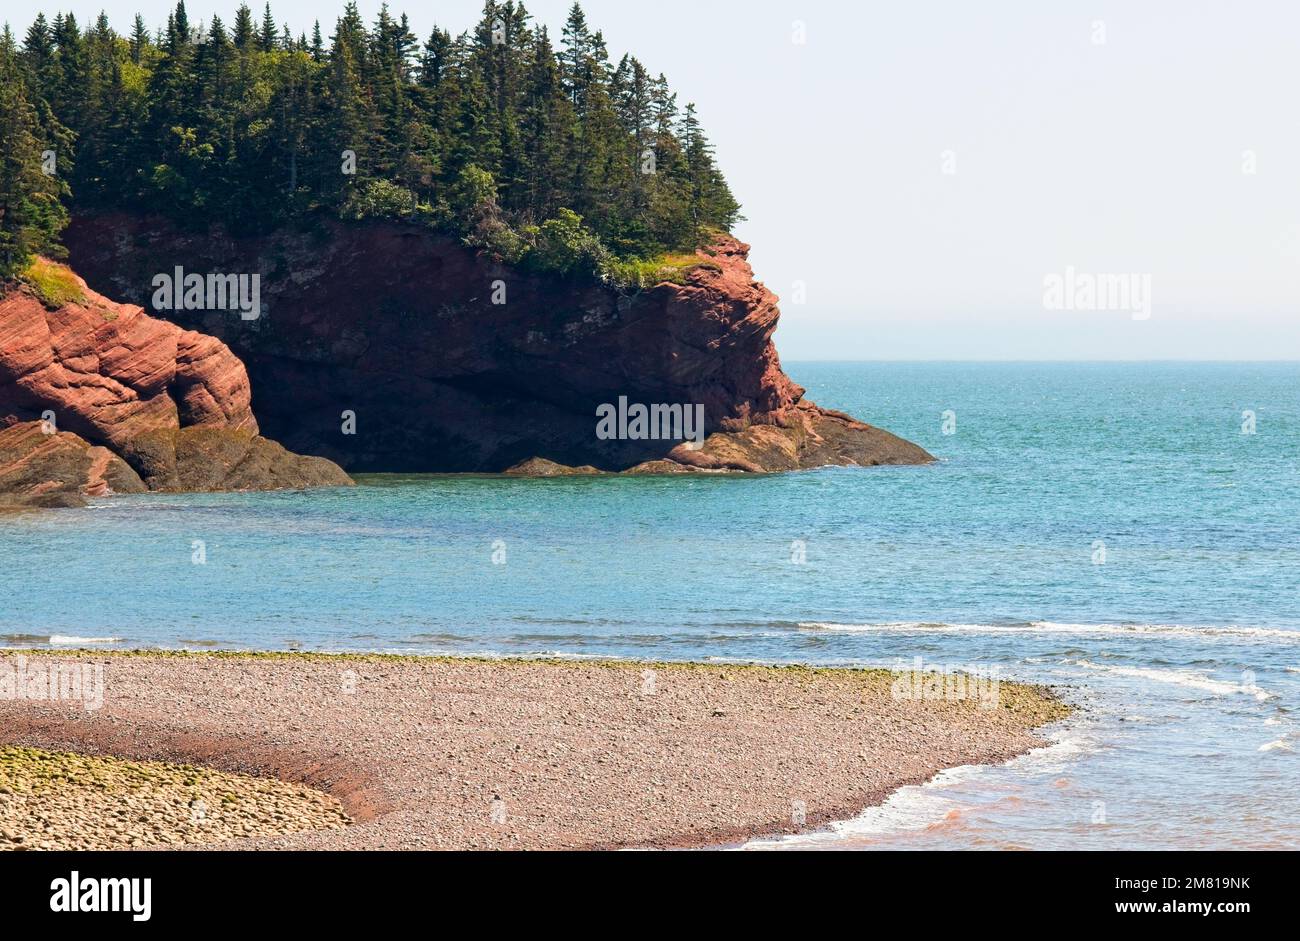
{"points": [[541, 467], [43, 468], [98, 397], [437, 358], [800, 437]]}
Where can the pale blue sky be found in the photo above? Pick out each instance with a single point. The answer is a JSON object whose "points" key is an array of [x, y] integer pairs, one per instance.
{"points": [[1119, 157]]}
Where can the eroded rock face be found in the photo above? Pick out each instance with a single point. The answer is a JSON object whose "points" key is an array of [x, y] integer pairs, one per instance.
{"points": [[171, 406], [397, 326]]}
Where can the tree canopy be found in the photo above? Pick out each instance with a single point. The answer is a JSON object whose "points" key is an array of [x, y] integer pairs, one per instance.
{"points": [[544, 153]]}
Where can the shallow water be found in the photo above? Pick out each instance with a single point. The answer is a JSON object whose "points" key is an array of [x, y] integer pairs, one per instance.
{"points": [[1105, 528]]}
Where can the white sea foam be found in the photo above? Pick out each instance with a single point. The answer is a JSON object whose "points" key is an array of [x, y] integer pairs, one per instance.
{"points": [[1280, 745], [1184, 678], [919, 806], [65, 640], [909, 808], [1049, 628]]}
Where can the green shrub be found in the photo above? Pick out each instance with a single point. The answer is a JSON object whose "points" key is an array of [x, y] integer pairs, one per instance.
{"points": [[379, 199], [565, 246], [492, 235], [474, 194]]}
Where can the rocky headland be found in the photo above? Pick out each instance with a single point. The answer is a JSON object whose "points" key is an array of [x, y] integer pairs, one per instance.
{"points": [[386, 347], [449, 361]]}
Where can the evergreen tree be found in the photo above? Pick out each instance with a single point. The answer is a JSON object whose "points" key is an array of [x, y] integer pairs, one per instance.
{"points": [[709, 197], [266, 38], [436, 59], [243, 34], [181, 25], [31, 214], [546, 124], [348, 121], [38, 51], [520, 148], [69, 79], [139, 39]]}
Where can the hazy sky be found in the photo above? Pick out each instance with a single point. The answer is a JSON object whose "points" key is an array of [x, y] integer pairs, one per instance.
{"points": [[1111, 137]]}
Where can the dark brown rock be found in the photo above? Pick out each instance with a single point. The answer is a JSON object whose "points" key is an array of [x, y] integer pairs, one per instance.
{"points": [[664, 467], [58, 469], [540, 467], [209, 459], [807, 437]]}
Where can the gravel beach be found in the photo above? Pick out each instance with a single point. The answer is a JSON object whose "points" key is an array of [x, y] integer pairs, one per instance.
{"points": [[478, 754]]}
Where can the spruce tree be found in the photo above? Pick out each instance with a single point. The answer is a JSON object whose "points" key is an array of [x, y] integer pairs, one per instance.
{"points": [[139, 39], [266, 37], [31, 214], [494, 135], [317, 44], [244, 35]]}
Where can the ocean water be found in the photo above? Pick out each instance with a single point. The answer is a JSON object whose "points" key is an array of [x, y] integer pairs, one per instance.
{"points": [[1109, 529]]}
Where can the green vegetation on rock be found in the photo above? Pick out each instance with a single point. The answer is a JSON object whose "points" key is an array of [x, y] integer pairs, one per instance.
{"points": [[53, 800], [53, 283]]}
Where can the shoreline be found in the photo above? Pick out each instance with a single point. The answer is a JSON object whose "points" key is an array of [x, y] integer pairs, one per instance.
{"points": [[477, 753]]}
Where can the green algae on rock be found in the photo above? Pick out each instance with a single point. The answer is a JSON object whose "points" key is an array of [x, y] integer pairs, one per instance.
{"points": [[67, 801]]}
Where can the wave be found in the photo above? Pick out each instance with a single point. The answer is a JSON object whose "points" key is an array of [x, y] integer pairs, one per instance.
{"points": [[1184, 678], [1050, 628], [921, 806], [53, 640], [914, 807]]}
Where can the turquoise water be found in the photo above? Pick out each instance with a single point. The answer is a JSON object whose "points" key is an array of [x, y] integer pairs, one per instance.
{"points": [[1183, 644]]}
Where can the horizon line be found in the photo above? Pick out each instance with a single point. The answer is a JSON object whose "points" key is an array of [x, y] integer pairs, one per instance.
{"points": [[1062, 362]]}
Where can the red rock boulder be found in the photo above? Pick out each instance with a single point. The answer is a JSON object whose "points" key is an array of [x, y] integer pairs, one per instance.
{"points": [[140, 387]]}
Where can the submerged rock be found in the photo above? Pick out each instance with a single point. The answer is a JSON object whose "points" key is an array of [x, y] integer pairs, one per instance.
{"points": [[540, 467]]}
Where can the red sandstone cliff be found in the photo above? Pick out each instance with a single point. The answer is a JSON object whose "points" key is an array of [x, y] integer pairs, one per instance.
{"points": [[397, 326], [99, 397]]}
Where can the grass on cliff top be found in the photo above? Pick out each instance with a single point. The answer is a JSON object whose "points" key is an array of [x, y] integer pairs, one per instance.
{"points": [[53, 283], [647, 272]]}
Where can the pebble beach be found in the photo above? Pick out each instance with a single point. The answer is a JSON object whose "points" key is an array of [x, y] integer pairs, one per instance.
{"points": [[316, 752]]}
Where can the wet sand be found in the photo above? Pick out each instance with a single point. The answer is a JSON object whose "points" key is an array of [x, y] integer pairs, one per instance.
{"points": [[428, 753]]}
